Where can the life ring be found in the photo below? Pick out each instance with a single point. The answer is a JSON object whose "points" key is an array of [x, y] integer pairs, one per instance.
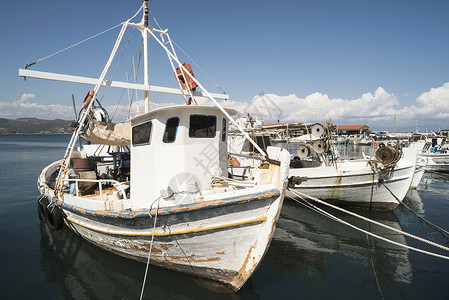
{"points": [[88, 98], [54, 218], [41, 208], [375, 145]]}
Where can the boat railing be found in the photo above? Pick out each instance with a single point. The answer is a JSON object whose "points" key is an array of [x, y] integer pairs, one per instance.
{"points": [[117, 185]]}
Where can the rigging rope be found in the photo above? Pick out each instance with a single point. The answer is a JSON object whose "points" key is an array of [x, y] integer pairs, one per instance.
{"points": [[201, 69], [204, 72], [85, 40], [303, 196], [115, 69], [76, 44]]}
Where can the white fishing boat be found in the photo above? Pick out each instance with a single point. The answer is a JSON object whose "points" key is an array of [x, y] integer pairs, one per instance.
{"points": [[357, 183], [160, 193], [420, 169], [378, 183], [434, 152]]}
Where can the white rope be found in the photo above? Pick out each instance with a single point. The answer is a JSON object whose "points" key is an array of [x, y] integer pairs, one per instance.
{"points": [[261, 151], [302, 195], [201, 69], [151, 247], [85, 40], [204, 72], [76, 44]]}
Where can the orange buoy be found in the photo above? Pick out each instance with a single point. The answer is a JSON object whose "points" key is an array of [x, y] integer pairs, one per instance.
{"points": [[185, 78], [234, 161], [375, 145], [88, 98]]}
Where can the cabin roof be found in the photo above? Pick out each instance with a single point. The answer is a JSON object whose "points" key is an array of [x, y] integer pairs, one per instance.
{"points": [[352, 127], [194, 108], [290, 125]]}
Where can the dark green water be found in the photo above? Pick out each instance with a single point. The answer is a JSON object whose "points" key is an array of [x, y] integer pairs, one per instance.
{"points": [[310, 257]]}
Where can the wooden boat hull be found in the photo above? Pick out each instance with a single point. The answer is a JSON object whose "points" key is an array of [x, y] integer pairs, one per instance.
{"points": [[223, 237]]}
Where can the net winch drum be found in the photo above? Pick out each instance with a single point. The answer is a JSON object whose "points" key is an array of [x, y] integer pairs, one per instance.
{"points": [[304, 150], [317, 130], [320, 146], [387, 155]]}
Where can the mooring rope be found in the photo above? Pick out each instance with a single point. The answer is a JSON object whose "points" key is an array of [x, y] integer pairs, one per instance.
{"points": [[151, 246], [302, 195], [374, 269], [442, 231]]}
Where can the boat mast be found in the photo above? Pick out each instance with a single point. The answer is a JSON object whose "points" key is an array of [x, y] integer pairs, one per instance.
{"points": [[145, 55]]}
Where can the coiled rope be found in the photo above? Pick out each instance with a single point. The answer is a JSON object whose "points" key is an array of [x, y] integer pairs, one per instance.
{"points": [[304, 196]]}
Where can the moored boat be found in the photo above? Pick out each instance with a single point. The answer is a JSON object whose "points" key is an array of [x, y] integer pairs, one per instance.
{"points": [[378, 183], [358, 183], [160, 193], [434, 152]]}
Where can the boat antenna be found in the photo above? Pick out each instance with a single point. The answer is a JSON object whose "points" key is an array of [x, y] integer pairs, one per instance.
{"points": [[145, 13], [74, 107], [145, 53]]}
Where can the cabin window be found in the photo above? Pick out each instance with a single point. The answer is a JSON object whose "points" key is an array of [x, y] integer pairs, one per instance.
{"points": [[202, 126], [141, 134], [223, 131], [171, 127]]}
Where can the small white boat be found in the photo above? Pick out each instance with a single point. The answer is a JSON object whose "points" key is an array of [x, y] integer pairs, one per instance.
{"points": [[434, 152], [420, 169], [340, 140], [357, 183], [363, 142], [161, 192]]}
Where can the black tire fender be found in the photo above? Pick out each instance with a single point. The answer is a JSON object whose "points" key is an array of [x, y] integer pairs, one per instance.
{"points": [[42, 208], [54, 218]]}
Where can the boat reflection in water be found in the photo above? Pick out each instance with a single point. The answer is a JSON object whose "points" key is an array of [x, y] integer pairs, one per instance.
{"points": [[81, 270], [315, 244]]}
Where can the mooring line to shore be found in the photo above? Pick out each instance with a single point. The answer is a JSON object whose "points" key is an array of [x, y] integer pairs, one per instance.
{"points": [[329, 215], [442, 231], [151, 248]]}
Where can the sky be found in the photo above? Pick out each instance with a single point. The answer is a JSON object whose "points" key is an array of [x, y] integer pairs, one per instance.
{"points": [[351, 62]]}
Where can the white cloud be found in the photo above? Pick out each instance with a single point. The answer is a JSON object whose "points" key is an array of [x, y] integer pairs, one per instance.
{"points": [[376, 109], [319, 107], [24, 108]]}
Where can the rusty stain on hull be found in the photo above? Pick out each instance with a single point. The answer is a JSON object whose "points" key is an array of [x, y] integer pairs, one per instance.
{"points": [[144, 248]]}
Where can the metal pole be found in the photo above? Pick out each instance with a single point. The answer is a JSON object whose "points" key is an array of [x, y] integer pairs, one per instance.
{"points": [[145, 56]]}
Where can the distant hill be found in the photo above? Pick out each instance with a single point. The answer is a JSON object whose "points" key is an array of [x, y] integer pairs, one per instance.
{"points": [[34, 125]]}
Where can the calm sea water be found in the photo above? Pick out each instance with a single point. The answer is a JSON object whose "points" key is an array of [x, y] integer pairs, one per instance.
{"points": [[310, 257]]}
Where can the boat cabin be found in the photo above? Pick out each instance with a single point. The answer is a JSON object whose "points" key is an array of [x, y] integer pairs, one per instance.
{"points": [[174, 150]]}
